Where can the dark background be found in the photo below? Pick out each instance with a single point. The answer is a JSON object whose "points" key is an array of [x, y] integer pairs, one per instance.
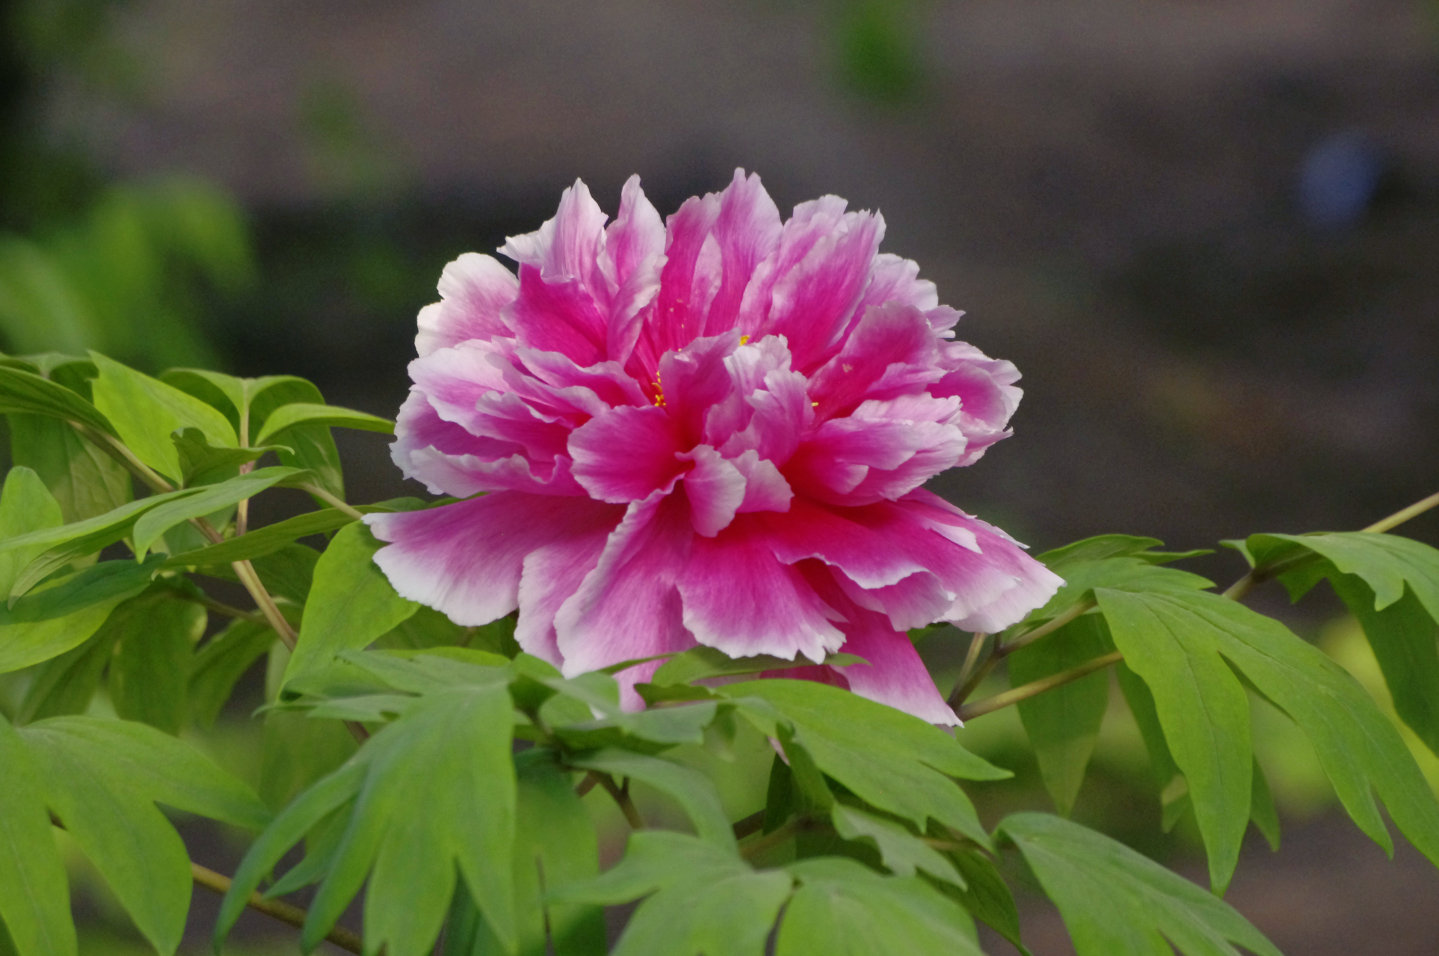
{"points": [[1206, 231]]}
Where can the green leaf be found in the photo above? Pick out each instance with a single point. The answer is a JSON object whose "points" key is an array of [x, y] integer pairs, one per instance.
{"points": [[306, 444], [692, 790], [207, 499], [1358, 747], [703, 899], [1201, 705], [1386, 562], [262, 541], [904, 853], [297, 413], [201, 463], [986, 896], [1063, 723], [298, 817], [64, 613], [85, 480], [153, 636], [1103, 546], [145, 412], [22, 391], [1173, 790], [81, 539], [103, 778], [1114, 900], [1405, 640], [66, 684], [34, 894], [457, 741], [893, 761], [220, 663], [351, 601], [645, 730], [843, 908], [26, 505], [555, 845], [702, 662]]}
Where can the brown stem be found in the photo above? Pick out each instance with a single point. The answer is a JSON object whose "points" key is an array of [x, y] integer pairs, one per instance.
{"points": [[621, 796], [284, 912]]}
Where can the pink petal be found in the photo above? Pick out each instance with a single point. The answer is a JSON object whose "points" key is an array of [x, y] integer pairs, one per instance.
{"points": [[715, 489], [465, 558], [987, 394], [814, 281], [739, 599], [891, 351], [474, 289], [626, 453], [550, 575], [559, 316], [746, 230], [566, 247], [632, 262], [627, 606], [893, 672]]}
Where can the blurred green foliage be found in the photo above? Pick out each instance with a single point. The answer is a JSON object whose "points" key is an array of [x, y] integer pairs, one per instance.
{"points": [[129, 277]]}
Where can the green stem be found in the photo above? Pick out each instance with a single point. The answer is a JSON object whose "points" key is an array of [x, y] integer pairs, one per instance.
{"points": [[773, 838], [1048, 627], [117, 449], [331, 500], [284, 912], [1034, 688], [1405, 514], [971, 659]]}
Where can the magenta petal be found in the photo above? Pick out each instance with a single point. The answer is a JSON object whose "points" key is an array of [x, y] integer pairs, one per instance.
{"points": [[739, 599], [893, 673], [715, 489], [891, 351], [627, 606], [747, 230], [465, 558], [474, 289], [551, 574], [634, 257], [626, 453]]}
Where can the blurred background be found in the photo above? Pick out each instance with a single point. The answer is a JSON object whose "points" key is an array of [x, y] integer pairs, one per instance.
{"points": [[1207, 232]]}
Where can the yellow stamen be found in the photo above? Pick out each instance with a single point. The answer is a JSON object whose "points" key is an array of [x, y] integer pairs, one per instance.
{"points": [[744, 340]]}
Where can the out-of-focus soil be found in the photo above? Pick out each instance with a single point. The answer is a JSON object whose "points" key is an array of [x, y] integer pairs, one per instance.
{"points": [[1108, 188]]}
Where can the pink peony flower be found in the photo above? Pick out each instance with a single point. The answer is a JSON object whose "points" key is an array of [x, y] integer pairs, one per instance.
{"points": [[707, 431]]}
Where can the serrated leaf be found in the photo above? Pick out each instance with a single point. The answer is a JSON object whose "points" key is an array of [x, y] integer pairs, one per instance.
{"points": [[309, 413], [555, 845], [23, 391], [1202, 708], [145, 412], [1113, 900], [842, 908], [103, 778], [66, 684], [63, 614], [34, 893], [1103, 546], [1063, 723], [351, 601], [288, 828], [693, 791], [153, 637], [458, 742], [904, 853], [893, 761], [1386, 562], [205, 500], [1358, 747], [84, 480], [702, 898], [1173, 790]]}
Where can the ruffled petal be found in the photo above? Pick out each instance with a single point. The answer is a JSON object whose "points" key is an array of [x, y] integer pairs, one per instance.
{"points": [[465, 559], [746, 231], [892, 351], [715, 489], [626, 454], [632, 262], [627, 607], [739, 599], [474, 291]]}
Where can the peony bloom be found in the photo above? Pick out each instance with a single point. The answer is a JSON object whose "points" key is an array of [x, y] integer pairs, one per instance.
{"points": [[711, 430]]}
